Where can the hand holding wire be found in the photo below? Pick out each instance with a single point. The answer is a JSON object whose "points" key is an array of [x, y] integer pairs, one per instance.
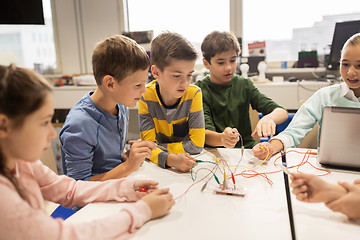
{"points": [[229, 137], [263, 151]]}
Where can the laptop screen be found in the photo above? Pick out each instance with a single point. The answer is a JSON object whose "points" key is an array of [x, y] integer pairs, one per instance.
{"points": [[340, 137]]}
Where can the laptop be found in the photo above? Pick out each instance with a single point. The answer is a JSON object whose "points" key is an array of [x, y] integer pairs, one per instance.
{"points": [[340, 138]]}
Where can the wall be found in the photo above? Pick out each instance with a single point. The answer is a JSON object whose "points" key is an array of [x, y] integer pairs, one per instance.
{"points": [[79, 25]]}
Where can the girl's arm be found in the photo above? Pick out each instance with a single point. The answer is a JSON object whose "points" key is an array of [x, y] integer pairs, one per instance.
{"points": [[69, 192], [23, 221]]}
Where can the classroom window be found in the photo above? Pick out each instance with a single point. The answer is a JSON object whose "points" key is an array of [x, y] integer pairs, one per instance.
{"points": [[30, 45], [192, 19], [288, 27]]}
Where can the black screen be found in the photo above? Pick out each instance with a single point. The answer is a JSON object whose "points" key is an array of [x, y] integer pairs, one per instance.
{"points": [[343, 31], [21, 12]]}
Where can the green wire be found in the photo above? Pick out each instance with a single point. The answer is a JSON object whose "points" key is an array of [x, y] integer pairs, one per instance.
{"points": [[199, 161]]}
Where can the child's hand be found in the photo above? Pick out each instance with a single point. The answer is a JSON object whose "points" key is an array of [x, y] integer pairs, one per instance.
{"points": [[138, 152], [229, 137], [357, 182], [311, 188], [182, 161], [349, 203], [261, 150], [265, 127], [126, 153], [143, 187], [160, 201]]}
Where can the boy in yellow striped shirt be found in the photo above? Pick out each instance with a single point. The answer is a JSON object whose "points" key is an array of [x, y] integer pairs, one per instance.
{"points": [[171, 111]]}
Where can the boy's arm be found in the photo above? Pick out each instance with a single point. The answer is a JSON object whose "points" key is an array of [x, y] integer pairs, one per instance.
{"points": [[212, 138], [138, 152], [267, 124], [77, 153], [120, 171], [278, 115], [228, 138]]}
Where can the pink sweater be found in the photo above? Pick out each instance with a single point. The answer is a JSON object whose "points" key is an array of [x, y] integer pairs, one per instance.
{"points": [[20, 220]]}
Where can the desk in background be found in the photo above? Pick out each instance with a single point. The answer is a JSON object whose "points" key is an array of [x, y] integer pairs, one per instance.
{"points": [[287, 94], [261, 214], [291, 95]]}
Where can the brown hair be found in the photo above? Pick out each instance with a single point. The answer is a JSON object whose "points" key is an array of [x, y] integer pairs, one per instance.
{"points": [[118, 56], [22, 92], [168, 46], [219, 42]]}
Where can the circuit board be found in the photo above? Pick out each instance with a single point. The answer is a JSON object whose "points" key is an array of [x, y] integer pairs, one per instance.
{"points": [[230, 191]]}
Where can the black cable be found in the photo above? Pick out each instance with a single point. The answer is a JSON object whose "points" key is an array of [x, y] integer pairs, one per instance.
{"points": [[288, 198]]}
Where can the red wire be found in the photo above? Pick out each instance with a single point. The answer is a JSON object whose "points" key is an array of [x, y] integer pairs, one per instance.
{"points": [[305, 160], [193, 184], [252, 173]]}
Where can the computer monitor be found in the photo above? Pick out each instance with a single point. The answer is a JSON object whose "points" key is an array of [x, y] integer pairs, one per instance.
{"points": [[342, 32]]}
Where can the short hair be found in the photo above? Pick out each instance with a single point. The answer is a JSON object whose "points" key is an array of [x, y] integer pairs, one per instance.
{"points": [[219, 42], [168, 46], [118, 56]]}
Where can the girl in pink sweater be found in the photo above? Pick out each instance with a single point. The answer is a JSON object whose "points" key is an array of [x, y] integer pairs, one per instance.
{"points": [[26, 109]]}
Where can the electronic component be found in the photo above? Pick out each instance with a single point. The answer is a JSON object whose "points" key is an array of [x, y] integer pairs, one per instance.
{"points": [[230, 191]]}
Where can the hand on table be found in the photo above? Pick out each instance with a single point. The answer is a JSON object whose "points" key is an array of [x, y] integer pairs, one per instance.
{"points": [[182, 161], [261, 150], [160, 202]]}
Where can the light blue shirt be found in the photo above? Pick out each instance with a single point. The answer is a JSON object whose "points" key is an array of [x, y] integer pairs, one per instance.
{"points": [[311, 112], [92, 140]]}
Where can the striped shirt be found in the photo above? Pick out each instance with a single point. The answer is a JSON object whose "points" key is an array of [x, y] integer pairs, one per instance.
{"points": [[179, 128]]}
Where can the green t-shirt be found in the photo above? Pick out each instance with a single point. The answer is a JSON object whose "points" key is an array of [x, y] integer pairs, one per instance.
{"points": [[228, 106]]}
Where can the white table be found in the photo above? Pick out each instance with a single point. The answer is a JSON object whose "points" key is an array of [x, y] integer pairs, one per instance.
{"points": [[315, 220], [261, 214]]}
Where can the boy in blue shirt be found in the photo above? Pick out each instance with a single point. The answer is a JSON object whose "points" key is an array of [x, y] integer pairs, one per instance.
{"points": [[94, 134]]}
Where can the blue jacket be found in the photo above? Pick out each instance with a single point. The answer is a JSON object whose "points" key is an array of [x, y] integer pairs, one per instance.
{"points": [[92, 140]]}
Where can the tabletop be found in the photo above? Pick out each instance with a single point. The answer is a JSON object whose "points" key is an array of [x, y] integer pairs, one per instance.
{"points": [[261, 214]]}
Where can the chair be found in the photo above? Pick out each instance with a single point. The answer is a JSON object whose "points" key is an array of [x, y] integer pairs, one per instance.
{"points": [[48, 159], [254, 119], [310, 140]]}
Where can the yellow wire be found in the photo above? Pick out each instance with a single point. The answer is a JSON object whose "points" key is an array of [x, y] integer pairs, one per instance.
{"points": [[268, 152]]}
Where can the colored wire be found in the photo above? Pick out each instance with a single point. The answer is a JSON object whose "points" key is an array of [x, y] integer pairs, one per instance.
{"points": [[250, 173], [193, 184]]}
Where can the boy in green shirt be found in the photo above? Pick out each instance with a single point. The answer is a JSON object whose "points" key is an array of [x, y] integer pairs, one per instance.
{"points": [[227, 97]]}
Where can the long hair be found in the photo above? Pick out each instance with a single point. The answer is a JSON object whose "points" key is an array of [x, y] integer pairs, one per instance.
{"points": [[22, 92]]}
